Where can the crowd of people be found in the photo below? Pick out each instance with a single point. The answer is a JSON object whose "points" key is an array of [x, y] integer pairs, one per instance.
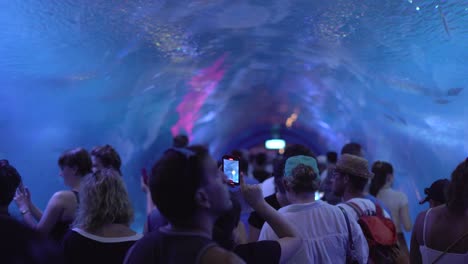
{"points": [[299, 208]]}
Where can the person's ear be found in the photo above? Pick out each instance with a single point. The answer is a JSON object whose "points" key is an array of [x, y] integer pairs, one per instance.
{"points": [[286, 185], [201, 199], [75, 170], [345, 179], [390, 177]]}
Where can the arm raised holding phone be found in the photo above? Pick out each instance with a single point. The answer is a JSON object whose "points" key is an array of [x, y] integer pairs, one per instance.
{"points": [[289, 238]]}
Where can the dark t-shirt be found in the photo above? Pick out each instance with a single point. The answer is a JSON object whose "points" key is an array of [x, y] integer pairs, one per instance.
{"points": [[164, 246], [255, 220], [21, 244], [267, 252], [155, 220], [261, 175], [86, 248]]}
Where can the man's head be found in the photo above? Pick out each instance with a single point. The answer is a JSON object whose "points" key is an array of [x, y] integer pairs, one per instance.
{"points": [[186, 182], [261, 159], [105, 157], [180, 141], [290, 151], [332, 157], [436, 193], [351, 174], [352, 148], [9, 182]]}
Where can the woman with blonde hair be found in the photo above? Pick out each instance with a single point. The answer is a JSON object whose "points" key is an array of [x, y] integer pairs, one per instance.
{"points": [[101, 232]]}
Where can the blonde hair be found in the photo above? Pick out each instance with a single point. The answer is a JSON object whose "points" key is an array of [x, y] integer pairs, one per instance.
{"points": [[103, 200]]}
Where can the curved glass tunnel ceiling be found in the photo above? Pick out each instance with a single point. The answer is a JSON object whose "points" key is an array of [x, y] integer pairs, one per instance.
{"points": [[391, 75]]}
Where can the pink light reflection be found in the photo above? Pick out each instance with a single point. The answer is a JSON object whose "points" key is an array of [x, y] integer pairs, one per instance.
{"points": [[201, 86]]}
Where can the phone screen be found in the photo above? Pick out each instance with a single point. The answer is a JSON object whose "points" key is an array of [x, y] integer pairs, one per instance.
{"points": [[231, 169]]}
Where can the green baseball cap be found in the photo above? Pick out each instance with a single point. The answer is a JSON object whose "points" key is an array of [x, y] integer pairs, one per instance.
{"points": [[294, 161]]}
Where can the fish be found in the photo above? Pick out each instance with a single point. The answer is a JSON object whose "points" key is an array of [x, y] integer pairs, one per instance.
{"points": [[441, 101], [389, 117], [444, 21], [402, 120], [454, 91], [408, 86]]}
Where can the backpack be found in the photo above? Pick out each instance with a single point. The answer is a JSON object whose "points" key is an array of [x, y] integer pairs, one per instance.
{"points": [[380, 233]]}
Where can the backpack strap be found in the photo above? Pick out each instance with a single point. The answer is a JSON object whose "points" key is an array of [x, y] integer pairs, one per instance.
{"points": [[356, 208], [378, 210], [450, 247], [348, 225]]}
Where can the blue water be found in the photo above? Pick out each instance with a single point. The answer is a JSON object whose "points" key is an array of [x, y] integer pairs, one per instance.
{"points": [[389, 74]]}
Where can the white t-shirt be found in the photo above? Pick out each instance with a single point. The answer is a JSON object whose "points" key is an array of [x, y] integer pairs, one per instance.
{"points": [[366, 205], [394, 200], [268, 186], [323, 231]]}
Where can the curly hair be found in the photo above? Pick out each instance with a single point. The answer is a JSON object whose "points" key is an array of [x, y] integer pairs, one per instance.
{"points": [[458, 189], [290, 151], [304, 179], [103, 200]]}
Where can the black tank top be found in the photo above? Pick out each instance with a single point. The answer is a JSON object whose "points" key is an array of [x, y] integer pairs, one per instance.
{"points": [[164, 246], [61, 227]]}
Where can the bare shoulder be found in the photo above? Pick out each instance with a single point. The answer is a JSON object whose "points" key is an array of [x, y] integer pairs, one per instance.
{"points": [[420, 218], [220, 255], [419, 227], [63, 197]]}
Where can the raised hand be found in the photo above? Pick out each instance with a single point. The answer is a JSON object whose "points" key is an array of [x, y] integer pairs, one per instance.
{"points": [[252, 193], [22, 197]]}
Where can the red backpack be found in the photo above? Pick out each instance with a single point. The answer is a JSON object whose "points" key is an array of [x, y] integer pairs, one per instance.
{"points": [[380, 233]]}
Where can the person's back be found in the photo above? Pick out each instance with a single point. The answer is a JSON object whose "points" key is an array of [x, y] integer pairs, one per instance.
{"points": [[324, 233], [101, 232], [21, 244], [441, 229], [395, 202], [367, 206], [440, 235], [322, 227], [167, 246], [83, 247]]}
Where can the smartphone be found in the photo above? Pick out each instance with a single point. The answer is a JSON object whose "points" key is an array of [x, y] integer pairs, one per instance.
{"points": [[231, 168], [145, 176]]}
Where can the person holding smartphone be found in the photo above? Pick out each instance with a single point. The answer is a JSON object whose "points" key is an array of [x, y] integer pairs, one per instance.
{"points": [[60, 212], [269, 251]]}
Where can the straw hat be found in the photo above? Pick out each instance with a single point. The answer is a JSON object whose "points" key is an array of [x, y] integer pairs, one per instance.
{"points": [[354, 165]]}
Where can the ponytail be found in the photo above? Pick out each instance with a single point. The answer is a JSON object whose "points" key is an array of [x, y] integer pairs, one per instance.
{"points": [[380, 169]]}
